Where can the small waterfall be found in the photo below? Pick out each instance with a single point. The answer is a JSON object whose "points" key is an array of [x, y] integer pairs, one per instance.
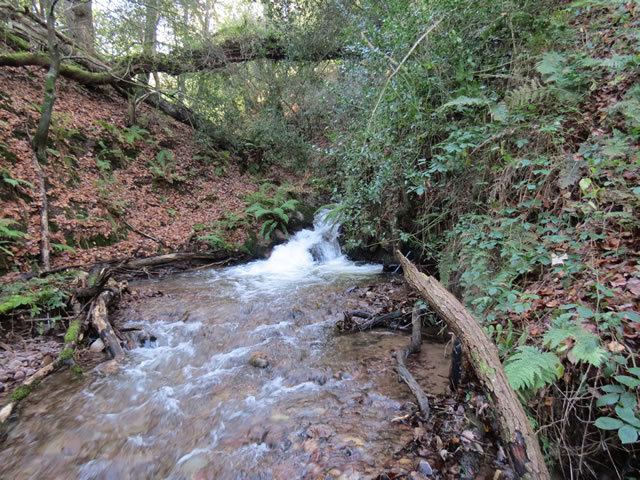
{"points": [[308, 256]]}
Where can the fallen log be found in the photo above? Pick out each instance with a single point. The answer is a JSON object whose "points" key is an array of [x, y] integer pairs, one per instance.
{"points": [[521, 442], [100, 321], [403, 371]]}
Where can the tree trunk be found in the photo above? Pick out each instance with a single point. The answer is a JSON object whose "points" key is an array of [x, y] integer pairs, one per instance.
{"points": [[44, 216], [41, 136], [79, 22], [521, 442]]}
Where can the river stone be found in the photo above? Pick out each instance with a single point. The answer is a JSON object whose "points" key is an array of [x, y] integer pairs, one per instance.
{"points": [[19, 375], [97, 346], [425, 468], [259, 360], [2, 387]]}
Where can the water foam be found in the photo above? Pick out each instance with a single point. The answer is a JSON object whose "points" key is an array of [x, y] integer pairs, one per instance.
{"points": [[310, 256]]}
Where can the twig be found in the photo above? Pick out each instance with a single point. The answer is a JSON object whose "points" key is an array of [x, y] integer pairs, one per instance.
{"points": [[397, 69]]}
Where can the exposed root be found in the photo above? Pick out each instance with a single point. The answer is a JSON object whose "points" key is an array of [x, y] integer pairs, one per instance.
{"points": [[403, 372]]}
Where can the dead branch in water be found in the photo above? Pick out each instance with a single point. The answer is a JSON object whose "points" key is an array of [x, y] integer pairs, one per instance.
{"points": [[100, 320], [348, 324], [521, 442], [403, 371]]}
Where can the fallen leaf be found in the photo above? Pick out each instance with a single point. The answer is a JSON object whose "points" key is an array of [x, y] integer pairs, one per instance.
{"points": [[615, 347]]}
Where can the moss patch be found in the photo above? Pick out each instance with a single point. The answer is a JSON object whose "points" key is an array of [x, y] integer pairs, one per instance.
{"points": [[21, 393], [72, 332]]}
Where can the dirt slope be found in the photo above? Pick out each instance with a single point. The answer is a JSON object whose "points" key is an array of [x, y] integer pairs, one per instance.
{"points": [[99, 173]]}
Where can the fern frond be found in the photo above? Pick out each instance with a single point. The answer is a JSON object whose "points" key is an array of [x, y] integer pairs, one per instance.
{"points": [[532, 369], [586, 346], [464, 101], [551, 66], [530, 93]]}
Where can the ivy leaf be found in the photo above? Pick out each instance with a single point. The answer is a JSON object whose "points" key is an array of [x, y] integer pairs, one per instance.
{"points": [[628, 416], [628, 434], [608, 423], [613, 389], [635, 371], [628, 400], [608, 399], [628, 381]]}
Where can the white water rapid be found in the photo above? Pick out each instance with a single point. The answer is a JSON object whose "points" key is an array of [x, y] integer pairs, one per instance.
{"points": [[310, 256]]}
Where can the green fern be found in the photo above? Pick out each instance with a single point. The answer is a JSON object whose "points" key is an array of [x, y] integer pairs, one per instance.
{"points": [[586, 346], [552, 66], [531, 93], [8, 235], [532, 369], [464, 101]]}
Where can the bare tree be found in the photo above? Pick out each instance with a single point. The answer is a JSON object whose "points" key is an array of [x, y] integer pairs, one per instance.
{"points": [[41, 136]]}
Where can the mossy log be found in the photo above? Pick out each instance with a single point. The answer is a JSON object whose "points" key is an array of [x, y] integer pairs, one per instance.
{"points": [[516, 432]]}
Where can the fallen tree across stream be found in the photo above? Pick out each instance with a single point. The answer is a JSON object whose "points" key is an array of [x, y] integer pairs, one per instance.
{"points": [[521, 442]]}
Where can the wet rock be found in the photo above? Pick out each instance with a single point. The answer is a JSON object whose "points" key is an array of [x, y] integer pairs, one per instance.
{"points": [[97, 346], [148, 341], [47, 359], [19, 375], [259, 360], [425, 468], [14, 365], [280, 236], [108, 368]]}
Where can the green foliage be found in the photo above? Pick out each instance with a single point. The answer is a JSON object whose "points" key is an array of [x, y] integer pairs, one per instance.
{"points": [[586, 345], [163, 167], [531, 369], [62, 127], [38, 295], [271, 206], [124, 136], [9, 236], [14, 182], [620, 398], [61, 247], [22, 392], [217, 234]]}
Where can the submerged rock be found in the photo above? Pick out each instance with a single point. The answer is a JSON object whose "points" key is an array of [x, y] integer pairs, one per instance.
{"points": [[97, 346], [259, 360], [424, 468]]}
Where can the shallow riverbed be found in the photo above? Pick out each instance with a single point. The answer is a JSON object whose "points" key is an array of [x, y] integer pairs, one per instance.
{"points": [[188, 404]]}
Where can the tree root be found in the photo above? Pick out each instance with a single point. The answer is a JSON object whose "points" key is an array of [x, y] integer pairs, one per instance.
{"points": [[403, 371]]}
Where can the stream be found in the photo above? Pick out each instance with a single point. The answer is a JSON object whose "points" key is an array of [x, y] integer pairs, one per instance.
{"points": [[188, 403]]}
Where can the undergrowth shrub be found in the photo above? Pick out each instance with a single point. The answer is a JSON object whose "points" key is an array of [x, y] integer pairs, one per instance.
{"points": [[273, 207], [506, 150]]}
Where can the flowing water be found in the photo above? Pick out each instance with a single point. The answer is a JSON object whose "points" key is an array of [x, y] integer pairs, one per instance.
{"points": [[188, 404]]}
